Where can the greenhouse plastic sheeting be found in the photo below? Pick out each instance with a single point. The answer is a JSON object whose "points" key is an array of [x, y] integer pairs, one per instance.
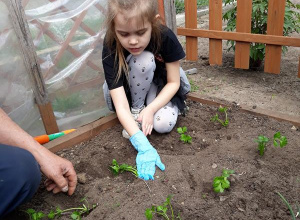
{"points": [[16, 95], [68, 38]]}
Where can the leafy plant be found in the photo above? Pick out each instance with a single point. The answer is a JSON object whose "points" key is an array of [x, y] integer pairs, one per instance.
{"points": [[162, 210], [278, 140], [76, 213], [221, 182], [259, 25], [117, 169], [216, 117], [281, 139], [289, 206], [184, 137], [262, 143]]}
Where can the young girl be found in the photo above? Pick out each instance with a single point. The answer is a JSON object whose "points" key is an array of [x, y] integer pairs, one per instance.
{"points": [[144, 82]]}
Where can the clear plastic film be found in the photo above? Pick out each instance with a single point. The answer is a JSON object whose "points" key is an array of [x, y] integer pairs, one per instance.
{"points": [[68, 38], [16, 94]]}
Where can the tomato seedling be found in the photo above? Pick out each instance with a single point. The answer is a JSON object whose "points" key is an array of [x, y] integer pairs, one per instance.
{"points": [[117, 169], [278, 140], [216, 117], [76, 213], [162, 210], [184, 137], [221, 182]]}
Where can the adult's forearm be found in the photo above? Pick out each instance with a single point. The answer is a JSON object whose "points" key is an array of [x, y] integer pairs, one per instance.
{"points": [[12, 134]]}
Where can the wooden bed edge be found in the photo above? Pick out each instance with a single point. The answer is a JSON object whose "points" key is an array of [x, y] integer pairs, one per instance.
{"points": [[295, 120], [83, 133]]}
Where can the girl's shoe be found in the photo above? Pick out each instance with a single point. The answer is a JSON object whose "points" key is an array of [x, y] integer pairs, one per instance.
{"points": [[135, 112]]}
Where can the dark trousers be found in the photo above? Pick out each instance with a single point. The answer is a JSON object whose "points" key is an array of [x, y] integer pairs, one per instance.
{"points": [[20, 177]]}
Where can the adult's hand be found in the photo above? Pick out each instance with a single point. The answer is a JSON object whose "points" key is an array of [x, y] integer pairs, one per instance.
{"points": [[60, 173]]}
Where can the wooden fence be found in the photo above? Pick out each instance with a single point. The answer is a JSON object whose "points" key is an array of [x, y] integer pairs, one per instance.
{"points": [[243, 37]]}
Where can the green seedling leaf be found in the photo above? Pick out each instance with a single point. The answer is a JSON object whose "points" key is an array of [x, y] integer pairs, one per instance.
{"points": [[281, 139], [184, 137], [51, 214], [221, 183], [162, 210], [262, 142], [216, 118], [34, 215], [148, 214], [182, 130], [117, 169], [76, 215]]}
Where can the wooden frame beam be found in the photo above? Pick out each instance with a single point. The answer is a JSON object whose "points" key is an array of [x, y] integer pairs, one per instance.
{"points": [[242, 37]]}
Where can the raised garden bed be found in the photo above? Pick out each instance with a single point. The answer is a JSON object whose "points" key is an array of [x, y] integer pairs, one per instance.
{"points": [[190, 170]]}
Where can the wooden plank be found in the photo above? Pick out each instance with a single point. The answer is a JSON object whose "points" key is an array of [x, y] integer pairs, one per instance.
{"points": [[276, 9], [215, 23], [170, 15], [295, 120], [243, 24], [243, 37], [48, 118], [191, 22], [161, 10], [83, 133]]}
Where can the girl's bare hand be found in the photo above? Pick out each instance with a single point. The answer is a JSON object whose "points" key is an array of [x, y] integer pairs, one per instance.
{"points": [[146, 118]]}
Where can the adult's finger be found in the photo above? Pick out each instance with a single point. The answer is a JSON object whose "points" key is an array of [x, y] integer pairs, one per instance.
{"points": [[72, 180]]}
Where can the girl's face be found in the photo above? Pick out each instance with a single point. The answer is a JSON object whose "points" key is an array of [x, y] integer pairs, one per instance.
{"points": [[134, 35]]}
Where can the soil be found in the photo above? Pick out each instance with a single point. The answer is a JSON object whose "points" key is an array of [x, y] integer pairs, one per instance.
{"points": [[191, 168]]}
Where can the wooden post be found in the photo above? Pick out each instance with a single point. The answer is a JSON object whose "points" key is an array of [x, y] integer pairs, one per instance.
{"points": [[243, 24], [31, 63], [276, 9], [215, 23], [161, 10], [191, 22], [299, 68], [170, 15]]}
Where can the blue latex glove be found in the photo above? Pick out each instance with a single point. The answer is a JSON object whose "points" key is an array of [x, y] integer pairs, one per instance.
{"points": [[147, 156]]}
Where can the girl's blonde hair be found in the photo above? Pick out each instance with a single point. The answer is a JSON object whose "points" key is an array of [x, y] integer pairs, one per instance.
{"points": [[146, 10]]}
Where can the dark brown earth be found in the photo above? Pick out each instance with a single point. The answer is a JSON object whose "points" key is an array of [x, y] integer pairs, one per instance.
{"points": [[190, 169]]}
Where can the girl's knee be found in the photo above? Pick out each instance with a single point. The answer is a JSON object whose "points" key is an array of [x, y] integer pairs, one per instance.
{"points": [[144, 62]]}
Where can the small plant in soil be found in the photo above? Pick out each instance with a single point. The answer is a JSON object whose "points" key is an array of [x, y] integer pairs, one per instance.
{"points": [[184, 137], [117, 169], [76, 213], [262, 143], [221, 182], [290, 207], [162, 210], [278, 140], [216, 118]]}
